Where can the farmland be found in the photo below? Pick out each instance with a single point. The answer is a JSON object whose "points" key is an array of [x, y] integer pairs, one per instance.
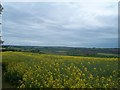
{"points": [[34, 70], [67, 51]]}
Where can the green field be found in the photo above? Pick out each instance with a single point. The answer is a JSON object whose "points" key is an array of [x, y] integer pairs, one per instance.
{"points": [[32, 70]]}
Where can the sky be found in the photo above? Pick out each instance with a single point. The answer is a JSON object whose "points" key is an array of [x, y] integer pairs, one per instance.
{"points": [[72, 24]]}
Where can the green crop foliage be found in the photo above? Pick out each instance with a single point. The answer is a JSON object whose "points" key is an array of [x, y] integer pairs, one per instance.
{"points": [[31, 70]]}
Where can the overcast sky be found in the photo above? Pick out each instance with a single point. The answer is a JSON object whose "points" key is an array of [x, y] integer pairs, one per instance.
{"points": [[61, 24]]}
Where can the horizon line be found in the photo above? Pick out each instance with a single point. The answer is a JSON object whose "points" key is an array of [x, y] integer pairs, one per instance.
{"points": [[57, 46]]}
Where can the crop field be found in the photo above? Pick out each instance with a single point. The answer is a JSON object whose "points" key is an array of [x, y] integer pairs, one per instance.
{"points": [[32, 70]]}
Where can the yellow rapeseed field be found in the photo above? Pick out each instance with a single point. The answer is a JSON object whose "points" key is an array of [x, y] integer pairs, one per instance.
{"points": [[31, 70]]}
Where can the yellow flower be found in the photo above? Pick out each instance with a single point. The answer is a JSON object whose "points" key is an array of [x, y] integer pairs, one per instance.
{"points": [[94, 68], [85, 69], [91, 76]]}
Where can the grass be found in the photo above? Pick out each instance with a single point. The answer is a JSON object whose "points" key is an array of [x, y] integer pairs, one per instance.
{"points": [[31, 70]]}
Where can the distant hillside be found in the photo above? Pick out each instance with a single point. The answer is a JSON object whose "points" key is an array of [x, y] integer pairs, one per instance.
{"points": [[71, 51]]}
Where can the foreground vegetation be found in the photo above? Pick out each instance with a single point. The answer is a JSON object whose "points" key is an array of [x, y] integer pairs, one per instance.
{"points": [[31, 70]]}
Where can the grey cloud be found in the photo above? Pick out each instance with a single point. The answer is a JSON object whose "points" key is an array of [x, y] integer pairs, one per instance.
{"points": [[60, 24]]}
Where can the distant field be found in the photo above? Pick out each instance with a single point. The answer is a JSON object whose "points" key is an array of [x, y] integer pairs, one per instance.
{"points": [[32, 70], [107, 54], [69, 51]]}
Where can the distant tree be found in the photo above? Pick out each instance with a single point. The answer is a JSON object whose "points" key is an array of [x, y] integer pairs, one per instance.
{"points": [[1, 9]]}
